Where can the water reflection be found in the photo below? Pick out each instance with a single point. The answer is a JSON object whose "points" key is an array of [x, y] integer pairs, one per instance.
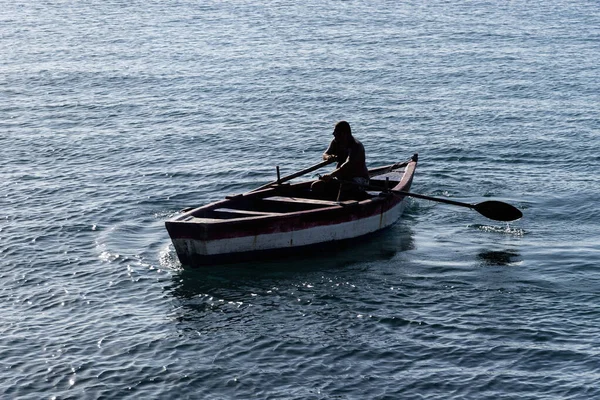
{"points": [[499, 258], [215, 297]]}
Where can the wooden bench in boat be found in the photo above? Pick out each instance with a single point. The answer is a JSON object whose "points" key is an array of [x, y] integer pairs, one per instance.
{"points": [[313, 202], [245, 213], [272, 206], [276, 206], [220, 214]]}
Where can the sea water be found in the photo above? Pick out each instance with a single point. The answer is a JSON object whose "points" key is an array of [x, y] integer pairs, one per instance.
{"points": [[115, 115]]}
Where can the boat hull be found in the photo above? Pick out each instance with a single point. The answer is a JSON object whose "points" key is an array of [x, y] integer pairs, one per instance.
{"points": [[246, 247], [200, 240]]}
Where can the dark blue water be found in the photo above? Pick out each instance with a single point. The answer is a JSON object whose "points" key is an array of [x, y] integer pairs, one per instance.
{"points": [[116, 115]]}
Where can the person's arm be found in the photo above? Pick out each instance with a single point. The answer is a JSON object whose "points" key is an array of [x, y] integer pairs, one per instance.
{"points": [[331, 151]]}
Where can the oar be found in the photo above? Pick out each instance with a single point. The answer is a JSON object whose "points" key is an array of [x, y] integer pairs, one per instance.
{"points": [[296, 174], [284, 179], [492, 209]]}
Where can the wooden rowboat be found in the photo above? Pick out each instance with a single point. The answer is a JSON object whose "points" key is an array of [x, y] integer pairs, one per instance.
{"points": [[287, 217]]}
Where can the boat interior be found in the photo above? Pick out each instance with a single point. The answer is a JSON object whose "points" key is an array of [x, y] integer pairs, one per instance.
{"points": [[288, 198]]}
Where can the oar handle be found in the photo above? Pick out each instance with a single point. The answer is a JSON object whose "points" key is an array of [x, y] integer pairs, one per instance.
{"points": [[297, 174]]}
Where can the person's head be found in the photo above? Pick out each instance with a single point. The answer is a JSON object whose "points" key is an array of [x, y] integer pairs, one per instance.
{"points": [[342, 132]]}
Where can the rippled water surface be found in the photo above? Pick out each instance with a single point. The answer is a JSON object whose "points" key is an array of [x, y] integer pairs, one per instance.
{"points": [[116, 115]]}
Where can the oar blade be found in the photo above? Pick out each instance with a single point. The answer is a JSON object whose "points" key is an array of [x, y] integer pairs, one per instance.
{"points": [[498, 210]]}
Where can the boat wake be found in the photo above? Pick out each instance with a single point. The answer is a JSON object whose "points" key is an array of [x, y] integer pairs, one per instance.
{"points": [[507, 229], [167, 258]]}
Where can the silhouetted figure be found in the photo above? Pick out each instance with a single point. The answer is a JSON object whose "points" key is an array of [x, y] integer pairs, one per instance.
{"points": [[351, 166]]}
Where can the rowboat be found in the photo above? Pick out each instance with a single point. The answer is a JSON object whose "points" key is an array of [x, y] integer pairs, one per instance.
{"points": [[280, 218]]}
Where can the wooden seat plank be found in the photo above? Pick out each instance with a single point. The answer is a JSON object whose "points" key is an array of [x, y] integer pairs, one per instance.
{"points": [[301, 200], [246, 212]]}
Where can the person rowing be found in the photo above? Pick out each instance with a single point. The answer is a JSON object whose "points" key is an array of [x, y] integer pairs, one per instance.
{"points": [[351, 165]]}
